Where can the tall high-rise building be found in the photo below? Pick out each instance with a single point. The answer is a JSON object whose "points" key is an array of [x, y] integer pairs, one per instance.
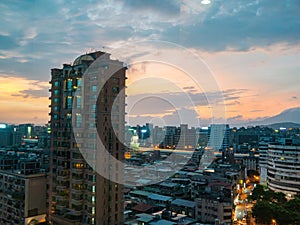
{"points": [[77, 194], [218, 136]]}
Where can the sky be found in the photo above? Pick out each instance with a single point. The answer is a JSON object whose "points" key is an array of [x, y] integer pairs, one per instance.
{"points": [[232, 60]]}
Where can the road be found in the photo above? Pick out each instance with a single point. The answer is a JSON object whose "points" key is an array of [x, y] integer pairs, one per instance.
{"points": [[242, 207]]}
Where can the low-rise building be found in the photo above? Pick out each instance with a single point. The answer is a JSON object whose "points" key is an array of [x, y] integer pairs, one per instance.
{"points": [[208, 209], [22, 198], [184, 207]]}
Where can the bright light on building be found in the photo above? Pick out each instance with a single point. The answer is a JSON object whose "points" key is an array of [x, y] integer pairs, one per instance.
{"points": [[205, 2], [2, 126]]}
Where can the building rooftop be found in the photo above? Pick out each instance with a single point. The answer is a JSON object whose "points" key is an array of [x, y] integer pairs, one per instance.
{"points": [[168, 184], [142, 193], [142, 207], [143, 217], [183, 202], [162, 222], [160, 197]]}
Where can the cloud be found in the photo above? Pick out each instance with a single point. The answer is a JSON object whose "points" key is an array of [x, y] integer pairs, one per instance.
{"points": [[189, 88], [240, 26], [178, 107], [7, 42], [233, 25], [234, 118], [257, 110], [169, 7], [23, 99], [163, 102], [37, 36], [32, 93], [174, 118]]}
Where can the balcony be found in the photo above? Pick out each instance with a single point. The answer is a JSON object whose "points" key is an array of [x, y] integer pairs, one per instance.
{"points": [[62, 178], [77, 180], [76, 212], [77, 171], [60, 207], [61, 188], [77, 191], [78, 160], [61, 197], [77, 201]]}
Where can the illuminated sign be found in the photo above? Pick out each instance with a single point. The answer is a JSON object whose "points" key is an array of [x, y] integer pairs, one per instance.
{"points": [[3, 126]]}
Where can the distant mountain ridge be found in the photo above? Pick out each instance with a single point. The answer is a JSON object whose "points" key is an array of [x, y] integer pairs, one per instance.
{"points": [[289, 117], [284, 125]]}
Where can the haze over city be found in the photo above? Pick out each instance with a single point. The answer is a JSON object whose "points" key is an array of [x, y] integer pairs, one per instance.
{"points": [[250, 47]]}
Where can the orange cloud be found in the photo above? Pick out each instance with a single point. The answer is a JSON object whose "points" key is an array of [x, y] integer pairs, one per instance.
{"points": [[19, 104]]}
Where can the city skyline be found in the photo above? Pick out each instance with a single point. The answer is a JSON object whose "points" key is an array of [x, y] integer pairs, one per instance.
{"points": [[251, 48]]}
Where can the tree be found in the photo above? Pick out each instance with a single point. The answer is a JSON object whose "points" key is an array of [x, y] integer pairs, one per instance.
{"points": [[257, 193], [263, 212], [269, 195], [280, 198], [281, 215], [274, 205], [293, 205]]}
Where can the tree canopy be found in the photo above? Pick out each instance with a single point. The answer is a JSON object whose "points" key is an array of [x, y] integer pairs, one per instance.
{"points": [[272, 205]]}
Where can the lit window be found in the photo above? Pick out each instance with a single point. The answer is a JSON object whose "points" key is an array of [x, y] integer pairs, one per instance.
{"points": [[94, 88], [78, 120], [69, 115], [69, 84], [78, 102], [56, 84], [56, 100], [79, 82], [69, 102]]}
